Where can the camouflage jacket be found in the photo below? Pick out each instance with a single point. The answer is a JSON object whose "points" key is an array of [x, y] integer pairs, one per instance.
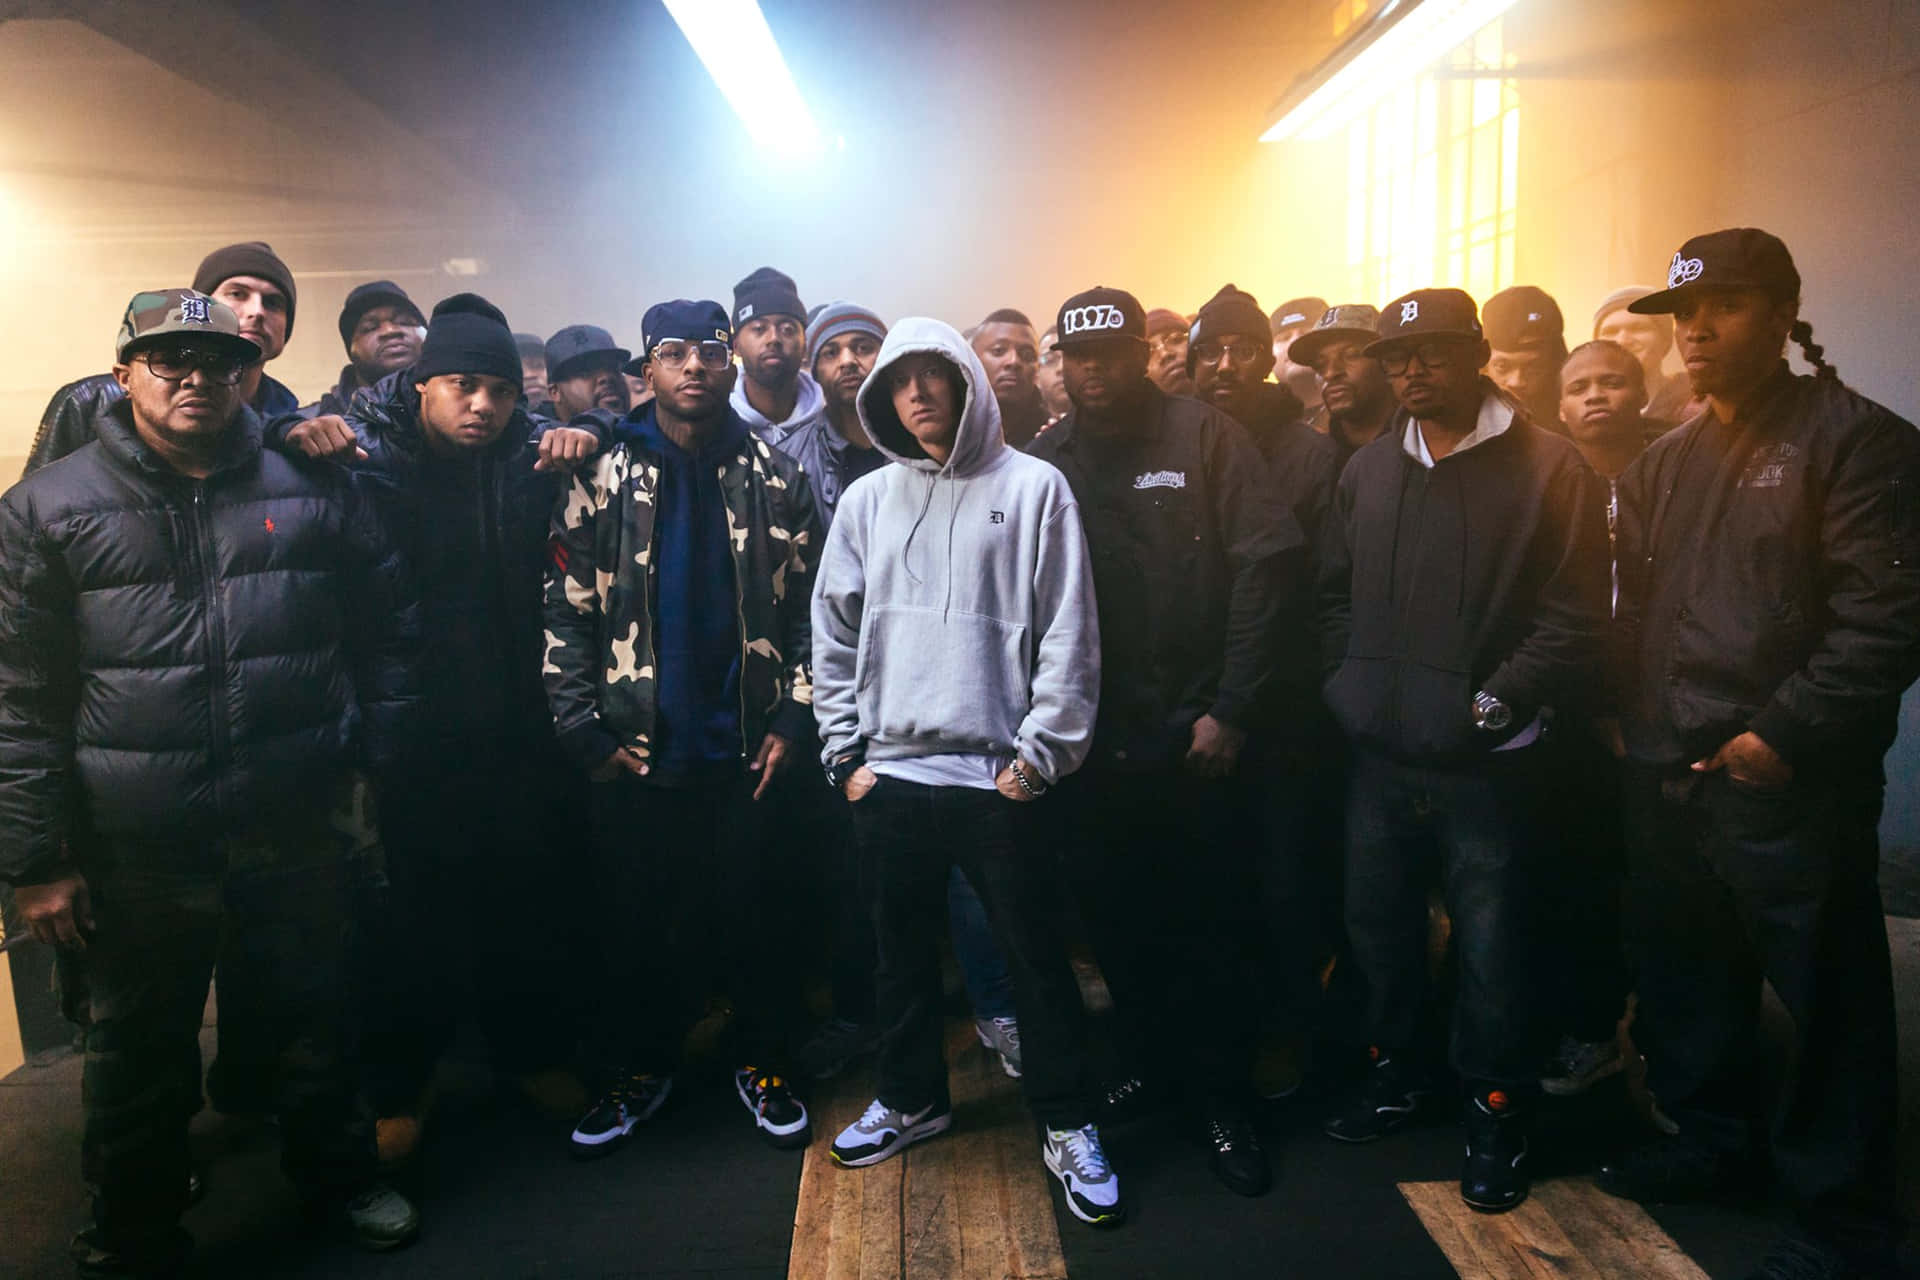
{"points": [[601, 589]]}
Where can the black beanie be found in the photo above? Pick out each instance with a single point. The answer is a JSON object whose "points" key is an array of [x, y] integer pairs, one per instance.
{"points": [[767, 293], [1229, 311], [468, 334], [364, 298], [253, 258]]}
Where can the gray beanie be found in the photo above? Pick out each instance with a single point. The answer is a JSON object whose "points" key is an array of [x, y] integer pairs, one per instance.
{"points": [[837, 318]]}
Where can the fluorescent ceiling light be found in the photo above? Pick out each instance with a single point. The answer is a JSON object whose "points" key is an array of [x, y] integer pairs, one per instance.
{"points": [[734, 41], [1402, 40]]}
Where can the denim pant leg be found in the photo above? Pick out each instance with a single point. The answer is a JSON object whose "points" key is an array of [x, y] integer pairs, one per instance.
{"points": [[1389, 869], [982, 968], [907, 854]]}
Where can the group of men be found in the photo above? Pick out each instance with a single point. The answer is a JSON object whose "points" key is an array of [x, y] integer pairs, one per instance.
{"points": [[1245, 633]]}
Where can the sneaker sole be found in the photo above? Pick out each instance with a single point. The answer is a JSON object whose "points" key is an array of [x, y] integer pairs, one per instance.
{"points": [[1400, 1121], [1501, 1207], [928, 1128], [1569, 1086], [1097, 1218]]}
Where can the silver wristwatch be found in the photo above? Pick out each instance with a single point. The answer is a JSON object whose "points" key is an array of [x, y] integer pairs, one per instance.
{"points": [[1489, 713]]}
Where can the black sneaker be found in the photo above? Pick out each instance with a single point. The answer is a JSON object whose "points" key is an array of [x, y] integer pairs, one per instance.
{"points": [[836, 1045], [621, 1110], [1795, 1256], [1495, 1177], [1235, 1154], [781, 1117], [1667, 1170], [1127, 1100], [1389, 1099]]}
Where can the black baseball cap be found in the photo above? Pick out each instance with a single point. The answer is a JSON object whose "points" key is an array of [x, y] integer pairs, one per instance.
{"points": [[578, 341], [1297, 311], [1736, 258], [683, 318], [1523, 317], [1100, 313], [1427, 313]]}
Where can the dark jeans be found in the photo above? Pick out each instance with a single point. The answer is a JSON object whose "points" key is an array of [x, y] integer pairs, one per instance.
{"points": [[982, 968], [282, 901], [691, 898], [1474, 834], [1729, 886], [476, 919], [1582, 973], [913, 835], [1165, 885]]}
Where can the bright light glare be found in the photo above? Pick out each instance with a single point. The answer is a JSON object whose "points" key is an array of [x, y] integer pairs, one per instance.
{"points": [[1410, 46], [734, 41]]}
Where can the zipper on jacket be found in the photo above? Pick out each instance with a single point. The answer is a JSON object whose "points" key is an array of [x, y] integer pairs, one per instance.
{"points": [[216, 642]]}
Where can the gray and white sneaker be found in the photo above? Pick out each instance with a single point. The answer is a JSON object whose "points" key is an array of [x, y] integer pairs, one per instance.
{"points": [[380, 1218], [1001, 1036], [1076, 1157], [882, 1132], [1578, 1065]]}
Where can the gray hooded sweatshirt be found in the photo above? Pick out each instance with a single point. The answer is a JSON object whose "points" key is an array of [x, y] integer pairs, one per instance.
{"points": [[953, 610]]}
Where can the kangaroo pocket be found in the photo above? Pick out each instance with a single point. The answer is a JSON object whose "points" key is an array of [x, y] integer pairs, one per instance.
{"points": [[948, 677], [1404, 708]]}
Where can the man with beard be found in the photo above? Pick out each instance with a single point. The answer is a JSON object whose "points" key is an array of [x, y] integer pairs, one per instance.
{"points": [[833, 449], [1529, 344], [1769, 622], [1167, 352], [1356, 398], [1289, 320], [252, 281], [584, 367], [773, 394], [1008, 347], [382, 330]]}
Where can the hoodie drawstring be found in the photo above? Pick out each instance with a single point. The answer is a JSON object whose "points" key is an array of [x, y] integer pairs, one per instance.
{"points": [[906, 552]]}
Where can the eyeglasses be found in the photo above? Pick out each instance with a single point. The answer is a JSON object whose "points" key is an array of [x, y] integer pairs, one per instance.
{"points": [[175, 364], [1172, 340], [1210, 351], [1432, 355], [674, 353]]}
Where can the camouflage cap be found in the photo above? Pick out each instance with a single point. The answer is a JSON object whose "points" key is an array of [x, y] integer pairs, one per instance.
{"points": [[160, 313], [1348, 320]]}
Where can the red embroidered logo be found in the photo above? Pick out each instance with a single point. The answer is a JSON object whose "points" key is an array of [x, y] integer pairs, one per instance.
{"points": [[269, 524]]}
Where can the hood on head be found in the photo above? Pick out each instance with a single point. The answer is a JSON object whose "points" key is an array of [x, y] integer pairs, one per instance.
{"points": [[979, 437]]}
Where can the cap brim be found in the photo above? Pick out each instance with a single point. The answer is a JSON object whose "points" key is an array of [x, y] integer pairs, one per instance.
{"points": [[1375, 347], [1661, 303], [1303, 348], [1068, 344], [559, 371], [245, 348]]}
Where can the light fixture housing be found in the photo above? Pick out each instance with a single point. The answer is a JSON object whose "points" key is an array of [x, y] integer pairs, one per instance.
{"points": [[1402, 39], [737, 47]]}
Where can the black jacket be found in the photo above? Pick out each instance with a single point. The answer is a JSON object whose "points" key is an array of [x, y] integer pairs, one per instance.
{"points": [[1301, 460], [474, 534], [70, 416], [185, 657], [1487, 571], [1197, 565], [1770, 578]]}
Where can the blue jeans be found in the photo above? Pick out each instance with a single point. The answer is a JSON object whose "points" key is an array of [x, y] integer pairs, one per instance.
{"points": [[982, 968]]}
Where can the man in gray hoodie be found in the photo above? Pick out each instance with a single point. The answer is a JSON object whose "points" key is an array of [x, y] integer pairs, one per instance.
{"points": [[956, 679]]}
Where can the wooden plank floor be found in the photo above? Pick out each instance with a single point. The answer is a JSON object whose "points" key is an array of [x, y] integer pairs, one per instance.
{"points": [[972, 1204], [1568, 1229]]}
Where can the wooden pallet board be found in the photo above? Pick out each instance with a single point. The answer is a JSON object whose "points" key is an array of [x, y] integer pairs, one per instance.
{"points": [[1568, 1229]]}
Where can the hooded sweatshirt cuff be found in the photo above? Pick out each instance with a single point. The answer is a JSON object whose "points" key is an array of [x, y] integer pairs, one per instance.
{"points": [[1776, 727], [791, 721]]}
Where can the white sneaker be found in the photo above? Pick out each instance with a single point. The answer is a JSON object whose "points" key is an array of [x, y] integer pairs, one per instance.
{"points": [[1001, 1036], [1076, 1157], [881, 1132]]}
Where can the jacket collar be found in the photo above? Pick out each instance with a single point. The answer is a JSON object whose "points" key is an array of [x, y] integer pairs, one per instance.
{"points": [[239, 447], [391, 410]]}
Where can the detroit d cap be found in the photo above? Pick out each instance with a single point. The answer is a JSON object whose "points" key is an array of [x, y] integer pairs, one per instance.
{"points": [[1427, 313], [1735, 258], [153, 314], [1345, 320], [1098, 314]]}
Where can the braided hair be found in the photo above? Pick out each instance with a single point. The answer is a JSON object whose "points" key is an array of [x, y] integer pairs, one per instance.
{"points": [[1802, 333]]}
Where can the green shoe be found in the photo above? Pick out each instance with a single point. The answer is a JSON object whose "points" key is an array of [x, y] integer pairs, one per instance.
{"points": [[381, 1218]]}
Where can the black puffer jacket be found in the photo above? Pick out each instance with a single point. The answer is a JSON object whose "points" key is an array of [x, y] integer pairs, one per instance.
{"points": [[70, 417], [474, 532], [1770, 579], [185, 657]]}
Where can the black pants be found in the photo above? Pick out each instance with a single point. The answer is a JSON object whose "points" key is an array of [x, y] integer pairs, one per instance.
{"points": [[1474, 834], [691, 894], [1165, 884], [1729, 886], [1579, 887], [912, 836], [282, 902], [478, 918]]}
